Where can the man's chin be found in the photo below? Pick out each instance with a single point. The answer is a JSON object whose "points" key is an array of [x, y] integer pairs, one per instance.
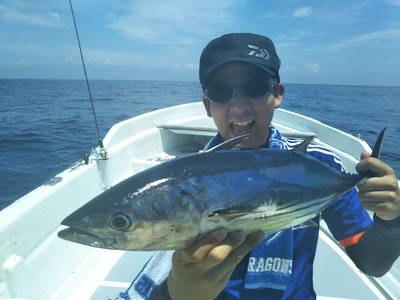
{"points": [[250, 145]]}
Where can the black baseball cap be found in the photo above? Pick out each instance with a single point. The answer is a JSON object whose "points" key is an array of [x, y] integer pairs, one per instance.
{"points": [[250, 48]]}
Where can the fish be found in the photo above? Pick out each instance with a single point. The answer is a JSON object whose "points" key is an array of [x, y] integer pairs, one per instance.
{"points": [[168, 206]]}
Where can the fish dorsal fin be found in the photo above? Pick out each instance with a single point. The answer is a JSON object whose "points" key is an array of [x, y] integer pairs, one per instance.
{"points": [[376, 152], [302, 147], [229, 144]]}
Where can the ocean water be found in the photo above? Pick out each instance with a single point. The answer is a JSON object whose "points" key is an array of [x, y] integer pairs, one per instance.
{"points": [[46, 125]]}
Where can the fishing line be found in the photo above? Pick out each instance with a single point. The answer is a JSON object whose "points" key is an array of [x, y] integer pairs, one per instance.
{"points": [[86, 77]]}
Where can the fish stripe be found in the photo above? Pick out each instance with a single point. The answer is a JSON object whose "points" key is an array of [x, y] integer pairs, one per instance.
{"points": [[299, 206]]}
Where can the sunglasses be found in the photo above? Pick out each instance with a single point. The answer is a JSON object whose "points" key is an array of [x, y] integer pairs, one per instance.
{"points": [[252, 88]]}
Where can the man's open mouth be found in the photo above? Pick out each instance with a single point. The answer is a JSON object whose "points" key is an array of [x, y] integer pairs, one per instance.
{"points": [[241, 127]]}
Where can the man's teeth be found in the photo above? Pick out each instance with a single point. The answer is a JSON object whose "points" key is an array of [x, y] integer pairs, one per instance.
{"points": [[241, 123]]}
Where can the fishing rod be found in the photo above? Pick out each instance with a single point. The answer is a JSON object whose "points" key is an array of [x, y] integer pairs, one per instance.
{"points": [[103, 153]]}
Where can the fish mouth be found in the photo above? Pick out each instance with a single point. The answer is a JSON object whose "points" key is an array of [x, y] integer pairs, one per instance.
{"points": [[241, 127], [86, 238]]}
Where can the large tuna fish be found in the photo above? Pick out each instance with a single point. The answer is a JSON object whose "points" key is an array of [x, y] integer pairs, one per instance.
{"points": [[169, 205]]}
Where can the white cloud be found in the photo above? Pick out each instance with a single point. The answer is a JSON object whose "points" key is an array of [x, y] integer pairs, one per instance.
{"points": [[17, 62], [55, 15], [365, 39], [312, 67], [111, 58], [344, 12], [289, 69], [126, 59], [298, 68], [25, 49], [273, 15], [302, 33], [35, 54], [302, 12], [295, 37], [189, 66], [175, 22], [281, 45], [21, 13], [393, 2]]}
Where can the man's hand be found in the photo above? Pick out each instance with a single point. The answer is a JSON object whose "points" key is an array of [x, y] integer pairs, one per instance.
{"points": [[202, 270], [379, 194]]}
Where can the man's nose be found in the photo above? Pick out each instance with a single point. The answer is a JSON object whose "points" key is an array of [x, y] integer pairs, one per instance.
{"points": [[239, 103]]}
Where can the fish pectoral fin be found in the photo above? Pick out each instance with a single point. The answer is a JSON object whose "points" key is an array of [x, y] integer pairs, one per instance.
{"points": [[229, 214], [234, 212]]}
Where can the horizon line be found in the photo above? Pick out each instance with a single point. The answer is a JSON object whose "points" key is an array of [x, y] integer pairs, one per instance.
{"points": [[163, 80]]}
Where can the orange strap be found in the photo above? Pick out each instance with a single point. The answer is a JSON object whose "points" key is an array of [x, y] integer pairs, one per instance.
{"points": [[352, 240]]}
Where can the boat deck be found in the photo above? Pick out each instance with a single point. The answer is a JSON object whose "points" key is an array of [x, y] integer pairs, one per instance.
{"points": [[332, 277], [35, 264]]}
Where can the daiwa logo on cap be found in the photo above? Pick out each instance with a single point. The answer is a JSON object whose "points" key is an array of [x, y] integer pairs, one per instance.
{"points": [[259, 52]]}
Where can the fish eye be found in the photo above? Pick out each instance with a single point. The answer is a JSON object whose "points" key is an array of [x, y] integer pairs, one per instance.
{"points": [[120, 222]]}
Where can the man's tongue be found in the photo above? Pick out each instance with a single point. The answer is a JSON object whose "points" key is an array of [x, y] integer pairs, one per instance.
{"points": [[240, 128]]}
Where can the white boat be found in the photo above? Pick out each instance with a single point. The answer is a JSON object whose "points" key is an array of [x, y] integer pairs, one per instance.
{"points": [[36, 264]]}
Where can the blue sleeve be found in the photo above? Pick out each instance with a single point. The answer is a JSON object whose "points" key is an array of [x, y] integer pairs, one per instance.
{"points": [[346, 217]]}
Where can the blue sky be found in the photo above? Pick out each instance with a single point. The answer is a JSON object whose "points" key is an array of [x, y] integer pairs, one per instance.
{"points": [[334, 42]]}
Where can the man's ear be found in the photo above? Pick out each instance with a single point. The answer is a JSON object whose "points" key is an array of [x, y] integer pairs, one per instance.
{"points": [[279, 95], [206, 103]]}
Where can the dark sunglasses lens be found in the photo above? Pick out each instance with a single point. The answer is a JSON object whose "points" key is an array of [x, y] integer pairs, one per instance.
{"points": [[220, 93], [256, 87]]}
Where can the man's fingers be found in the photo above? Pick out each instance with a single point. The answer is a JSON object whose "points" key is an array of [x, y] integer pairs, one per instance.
{"points": [[200, 248], [375, 166], [220, 252], [365, 154], [234, 258], [376, 197], [379, 208], [384, 183]]}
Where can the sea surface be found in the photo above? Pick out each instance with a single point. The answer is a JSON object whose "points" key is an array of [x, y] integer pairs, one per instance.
{"points": [[46, 125]]}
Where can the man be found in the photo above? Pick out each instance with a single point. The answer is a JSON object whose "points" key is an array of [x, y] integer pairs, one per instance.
{"points": [[239, 74]]}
